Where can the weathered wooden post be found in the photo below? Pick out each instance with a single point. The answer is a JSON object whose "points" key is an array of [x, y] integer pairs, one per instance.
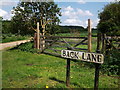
{"points": [[96, 81], [89, 36], [38, 36], [43, 36], [35, 38], [98, 41], [97, 68], [103, 43], [68, 71]]}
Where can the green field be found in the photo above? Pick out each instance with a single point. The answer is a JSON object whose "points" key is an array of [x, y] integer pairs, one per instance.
{"points": [[81, 33], [28, 70]]}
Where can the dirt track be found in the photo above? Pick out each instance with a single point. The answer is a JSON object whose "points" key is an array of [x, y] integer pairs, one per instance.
{"points": [[11, 44]]}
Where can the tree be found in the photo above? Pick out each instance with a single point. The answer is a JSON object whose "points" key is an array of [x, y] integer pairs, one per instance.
{"points": [[27, 14], [6, 26], [110, 19]]}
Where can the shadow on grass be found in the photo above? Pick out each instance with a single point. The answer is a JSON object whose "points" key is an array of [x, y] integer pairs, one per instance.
{"points": [[16, 47], [63, 82], [55, 79], [26, 45], [59, 56]]}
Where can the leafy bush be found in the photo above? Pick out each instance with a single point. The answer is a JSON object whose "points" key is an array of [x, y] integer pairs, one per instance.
{"points": [[27, 47], [109, 20], [112, 63]]}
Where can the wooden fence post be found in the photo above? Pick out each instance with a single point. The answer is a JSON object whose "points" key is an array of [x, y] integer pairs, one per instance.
{"points": [[35, 40], [89, 36], [98, 41], [103, 43], [38, 36], [43, 37]]}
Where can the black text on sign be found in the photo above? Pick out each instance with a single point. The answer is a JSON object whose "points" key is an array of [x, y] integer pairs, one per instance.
{"points": [[84, 56]]}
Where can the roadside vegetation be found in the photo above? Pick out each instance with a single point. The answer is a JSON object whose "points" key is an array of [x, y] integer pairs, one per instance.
{"points": [[12, 37]]}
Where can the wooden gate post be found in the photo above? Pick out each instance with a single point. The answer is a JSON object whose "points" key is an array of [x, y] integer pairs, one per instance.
{"points": [[89, 36], [35, 40], [38, 36], [98, 41], [103, 43], [43, 37]]}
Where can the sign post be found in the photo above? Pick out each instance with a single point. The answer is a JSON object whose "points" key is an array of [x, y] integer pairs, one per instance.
{"points": [[97, 68], [68, 73], [96, 58]]}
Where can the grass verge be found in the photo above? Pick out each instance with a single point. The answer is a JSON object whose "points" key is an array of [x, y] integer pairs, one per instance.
{"points": [[28, 70]]}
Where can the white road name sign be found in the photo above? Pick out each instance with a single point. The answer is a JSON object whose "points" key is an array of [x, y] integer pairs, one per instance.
{"points": [[84, 56]]}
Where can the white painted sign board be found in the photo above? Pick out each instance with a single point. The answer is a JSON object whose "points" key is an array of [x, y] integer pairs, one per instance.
{"points": [[84, 56]]}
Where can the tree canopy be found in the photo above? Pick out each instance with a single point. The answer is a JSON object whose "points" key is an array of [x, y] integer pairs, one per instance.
{"points": [[27, 14], [110, 19]]}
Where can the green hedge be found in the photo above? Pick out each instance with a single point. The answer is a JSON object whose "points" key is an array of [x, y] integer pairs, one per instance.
{"points": [[27, 47], [112, 63]]}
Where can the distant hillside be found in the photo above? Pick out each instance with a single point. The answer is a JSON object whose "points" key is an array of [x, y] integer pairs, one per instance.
{"points": [[68, 29]]}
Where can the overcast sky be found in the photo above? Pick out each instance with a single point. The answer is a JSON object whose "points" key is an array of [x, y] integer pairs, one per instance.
{"points": [[74, 12]]}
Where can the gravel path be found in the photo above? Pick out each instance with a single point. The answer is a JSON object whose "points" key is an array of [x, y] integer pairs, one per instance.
{"points": [[12, 44]]}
